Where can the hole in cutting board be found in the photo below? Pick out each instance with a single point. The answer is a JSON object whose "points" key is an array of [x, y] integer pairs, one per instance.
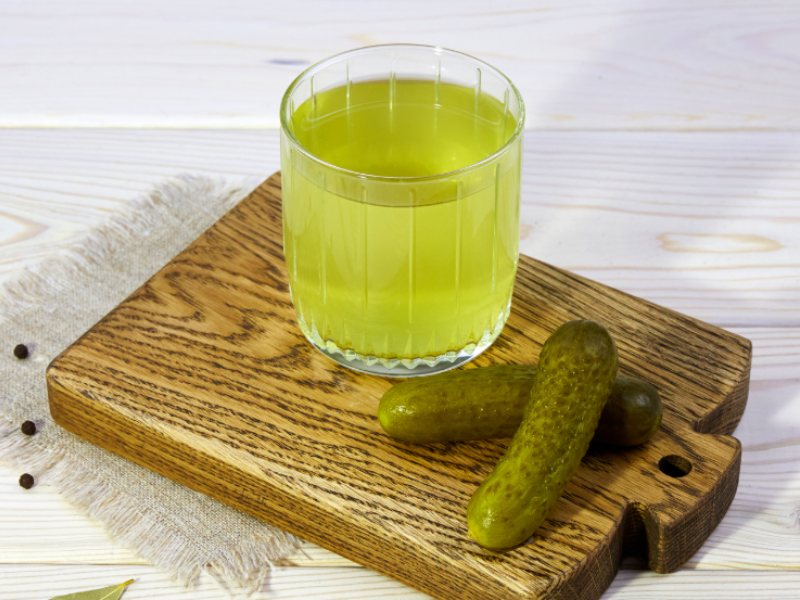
{"points": [[674, 466]]}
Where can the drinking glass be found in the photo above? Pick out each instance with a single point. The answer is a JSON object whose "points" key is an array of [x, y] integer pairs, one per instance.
{"points": [[401, 187]]}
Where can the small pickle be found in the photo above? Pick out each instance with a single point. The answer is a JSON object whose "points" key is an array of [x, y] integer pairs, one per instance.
{"points": [[632, 414], [577, 367], [488, 402], [473, 404]]}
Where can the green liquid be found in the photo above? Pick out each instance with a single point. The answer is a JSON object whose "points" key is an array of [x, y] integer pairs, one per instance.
{"points": [[399, 270]]}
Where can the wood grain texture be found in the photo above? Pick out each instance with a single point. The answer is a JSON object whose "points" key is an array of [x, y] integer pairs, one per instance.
{"points": [[37, 582], [203, 376], [759, 531], [580, 64]]}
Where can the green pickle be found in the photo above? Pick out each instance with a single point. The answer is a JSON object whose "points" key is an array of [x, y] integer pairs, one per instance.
{"points": [[488, 402], [632, 413], [455, 406], [577, 367]]}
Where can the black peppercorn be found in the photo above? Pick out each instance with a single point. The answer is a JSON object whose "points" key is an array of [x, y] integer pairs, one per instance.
{"points": [[28, 428], [21, 351], [26, 481]]}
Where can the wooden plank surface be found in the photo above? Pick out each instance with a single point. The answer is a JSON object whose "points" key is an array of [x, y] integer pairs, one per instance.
{"points": [[582, 64], [38, 582], [712, 216], [727, 202]]}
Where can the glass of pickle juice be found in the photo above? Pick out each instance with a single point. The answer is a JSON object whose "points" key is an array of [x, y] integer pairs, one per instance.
{"points": [[401, 169]]}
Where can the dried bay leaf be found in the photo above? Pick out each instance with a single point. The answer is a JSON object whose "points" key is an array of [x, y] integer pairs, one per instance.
{"points": [[112, 592]]}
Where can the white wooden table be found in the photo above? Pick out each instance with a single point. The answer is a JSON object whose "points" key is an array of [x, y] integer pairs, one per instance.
{"points": [[662, 157]]}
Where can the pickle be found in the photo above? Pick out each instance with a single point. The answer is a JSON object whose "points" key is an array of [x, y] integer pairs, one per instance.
{"points": [[632, 413], [488, 402], [577, 367], [473, 404]]}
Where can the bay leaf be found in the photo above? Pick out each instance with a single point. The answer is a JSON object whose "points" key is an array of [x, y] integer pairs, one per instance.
{"points": [[112, 592]]}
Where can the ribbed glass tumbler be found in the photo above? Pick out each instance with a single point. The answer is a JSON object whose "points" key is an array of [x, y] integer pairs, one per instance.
{"points": [[401, 188]]}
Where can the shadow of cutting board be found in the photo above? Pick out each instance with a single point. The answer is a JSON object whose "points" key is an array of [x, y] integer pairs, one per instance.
{"points": [[203, 376]]}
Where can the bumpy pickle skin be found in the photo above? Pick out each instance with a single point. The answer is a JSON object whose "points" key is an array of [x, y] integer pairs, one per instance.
{"points": [[458, 405], [488, 402], [577, 367]]}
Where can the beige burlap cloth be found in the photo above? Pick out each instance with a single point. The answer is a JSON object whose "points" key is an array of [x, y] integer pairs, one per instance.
{"points": [[47, 307]]}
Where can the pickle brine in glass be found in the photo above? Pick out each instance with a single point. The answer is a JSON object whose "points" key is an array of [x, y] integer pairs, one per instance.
{"points": [[415, 263]]}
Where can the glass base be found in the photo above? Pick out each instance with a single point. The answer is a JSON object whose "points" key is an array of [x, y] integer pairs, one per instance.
{"points": [[403, 367]]}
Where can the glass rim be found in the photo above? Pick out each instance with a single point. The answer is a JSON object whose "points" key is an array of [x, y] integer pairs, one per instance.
{"points": [[384, 178]]}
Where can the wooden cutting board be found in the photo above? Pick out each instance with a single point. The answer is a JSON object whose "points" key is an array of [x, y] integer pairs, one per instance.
{"points": [[203, 376]]}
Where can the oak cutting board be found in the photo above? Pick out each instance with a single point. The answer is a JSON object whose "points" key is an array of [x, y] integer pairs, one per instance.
{"points": [[203, 376]]}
